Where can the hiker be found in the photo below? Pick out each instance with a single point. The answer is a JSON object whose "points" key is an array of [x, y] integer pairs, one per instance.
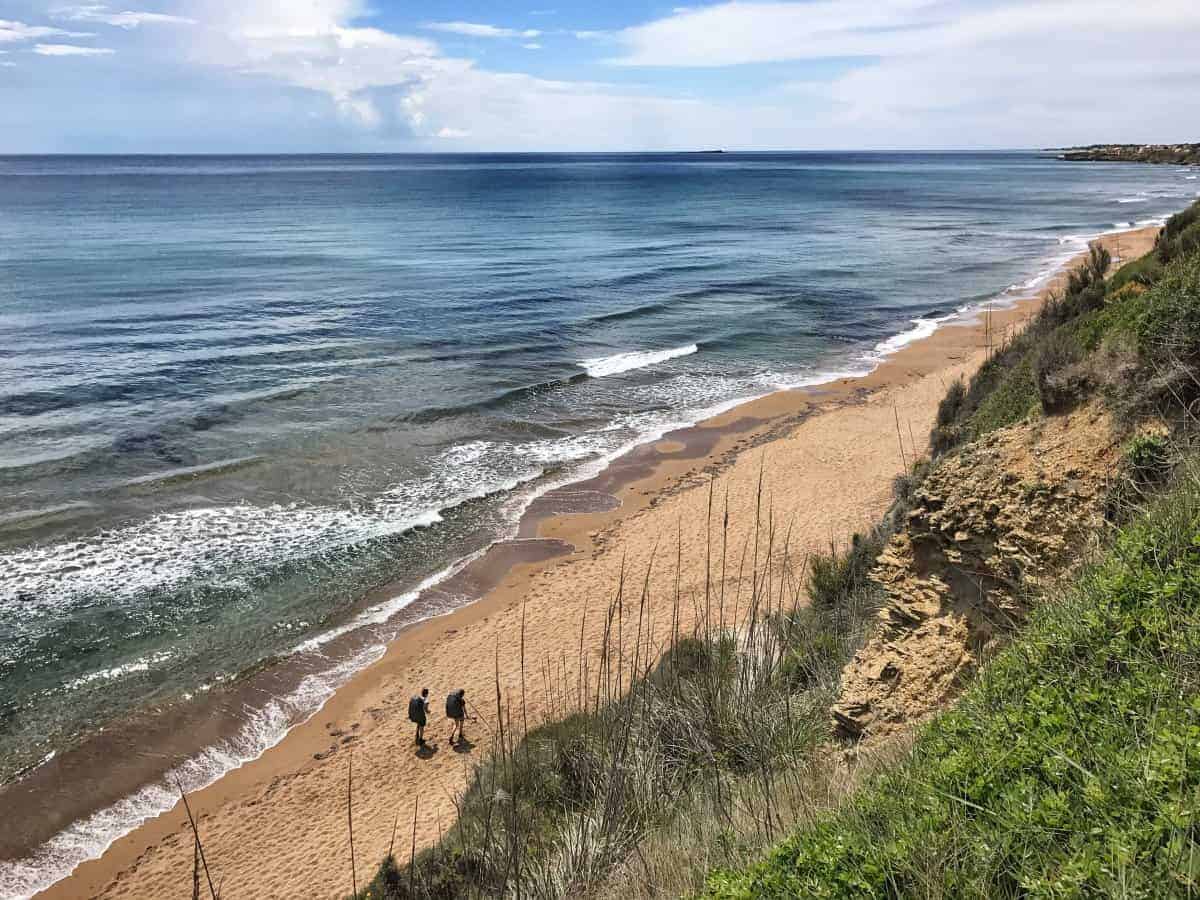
{"points": [[456, 711], [417, 709]]}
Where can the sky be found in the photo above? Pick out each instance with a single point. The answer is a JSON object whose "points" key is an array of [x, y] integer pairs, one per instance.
{"points": [[248, 76]]}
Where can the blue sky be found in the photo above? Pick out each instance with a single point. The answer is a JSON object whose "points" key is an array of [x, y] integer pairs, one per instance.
{"points": [[463, 75]]}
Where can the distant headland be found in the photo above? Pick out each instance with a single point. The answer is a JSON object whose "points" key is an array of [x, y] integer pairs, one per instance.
{"points": [[1178, 154]]}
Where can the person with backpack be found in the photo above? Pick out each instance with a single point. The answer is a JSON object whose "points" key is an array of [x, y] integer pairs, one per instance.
{"points": [[456, 712], [418, 707]]}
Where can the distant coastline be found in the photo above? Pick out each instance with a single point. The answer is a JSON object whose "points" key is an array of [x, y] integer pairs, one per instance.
{"points": [[1169, 154]]}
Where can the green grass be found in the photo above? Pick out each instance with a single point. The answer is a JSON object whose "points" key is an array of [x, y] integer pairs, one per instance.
{"points": [[1168, 324], [1091, 312], [1014, 399], [1070, 769]]}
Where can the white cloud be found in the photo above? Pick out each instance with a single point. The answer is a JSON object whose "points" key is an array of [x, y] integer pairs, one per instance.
{"points": [[127, 19], [369, 74], [477, 29], [915, 73], [532, 46], [910, 73], [394, 86], [738, 33], [70, 50], [18, 31]]}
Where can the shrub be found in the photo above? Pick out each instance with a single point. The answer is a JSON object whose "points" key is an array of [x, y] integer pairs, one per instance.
{"points": [[1013, 399], [1168, 329], [951, 405], [1180, 235], [1061, 383], [833, 577], [1148, 458]]}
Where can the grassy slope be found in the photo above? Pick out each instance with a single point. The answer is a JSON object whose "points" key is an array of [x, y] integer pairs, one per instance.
{"points": [[1072, 767]]}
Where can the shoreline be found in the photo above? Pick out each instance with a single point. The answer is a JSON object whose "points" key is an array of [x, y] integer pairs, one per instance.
{"points": [[639, 480]]}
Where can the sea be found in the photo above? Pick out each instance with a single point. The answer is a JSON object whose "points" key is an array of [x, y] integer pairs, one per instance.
{"points": [[250, 406]]}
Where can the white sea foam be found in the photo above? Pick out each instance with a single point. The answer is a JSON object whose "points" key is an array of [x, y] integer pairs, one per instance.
{"points": [[603, 366], [143, 664], [90, 837], [922, 328], [173, 548], [381, 612]]}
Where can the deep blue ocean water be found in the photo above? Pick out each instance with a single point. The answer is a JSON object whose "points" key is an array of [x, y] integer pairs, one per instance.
{"points": [[237, 394]]}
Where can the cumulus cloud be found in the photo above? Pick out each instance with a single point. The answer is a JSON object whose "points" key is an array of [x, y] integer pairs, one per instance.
{"points": [[477, 29], [126, 19], [366, 72], [18, 31], [70, 50]]}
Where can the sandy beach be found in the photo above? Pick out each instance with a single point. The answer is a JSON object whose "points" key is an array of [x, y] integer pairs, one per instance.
{"points": [[826, 457]]}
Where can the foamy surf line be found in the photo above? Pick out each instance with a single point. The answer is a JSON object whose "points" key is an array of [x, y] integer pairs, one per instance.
{"points": [[89, 838], [1051, 266], [603, 366]]}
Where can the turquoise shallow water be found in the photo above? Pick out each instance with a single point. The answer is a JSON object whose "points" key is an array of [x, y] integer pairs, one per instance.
{"points": [[238, 394]]}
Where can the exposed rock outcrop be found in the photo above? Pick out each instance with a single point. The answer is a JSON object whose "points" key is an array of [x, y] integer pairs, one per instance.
{"points": [[990, 525]]}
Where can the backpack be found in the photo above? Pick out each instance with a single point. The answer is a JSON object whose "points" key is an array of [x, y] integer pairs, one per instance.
{"points": [[454, 706], [416, 710]]}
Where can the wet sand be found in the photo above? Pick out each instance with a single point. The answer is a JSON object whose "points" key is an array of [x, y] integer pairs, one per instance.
{"points": [[276, 827]]}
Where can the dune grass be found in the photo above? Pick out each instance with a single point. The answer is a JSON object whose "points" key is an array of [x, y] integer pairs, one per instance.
{"points": [[713, 734]]}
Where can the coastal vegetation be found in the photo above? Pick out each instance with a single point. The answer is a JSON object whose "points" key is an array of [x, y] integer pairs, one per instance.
{"points": [[1067, 766]]}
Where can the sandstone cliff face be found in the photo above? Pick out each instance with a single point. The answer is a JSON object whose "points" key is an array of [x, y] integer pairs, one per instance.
{"points": [[991, 524]]}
